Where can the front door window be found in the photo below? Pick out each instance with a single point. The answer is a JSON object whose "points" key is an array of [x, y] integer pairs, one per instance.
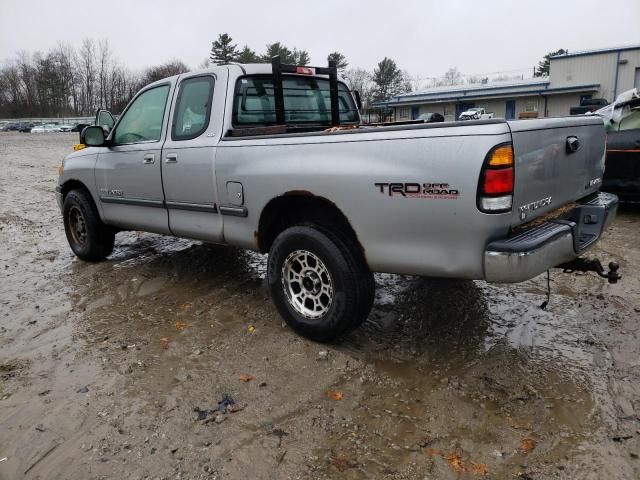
{"points": [[142, 122]]}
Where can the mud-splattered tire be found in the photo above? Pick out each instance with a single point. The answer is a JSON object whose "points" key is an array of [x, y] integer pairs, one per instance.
{"points": [[89, 238], [319, 282]]}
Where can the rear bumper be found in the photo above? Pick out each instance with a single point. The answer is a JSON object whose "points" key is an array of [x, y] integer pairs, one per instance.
{"points": [[551, 243]]}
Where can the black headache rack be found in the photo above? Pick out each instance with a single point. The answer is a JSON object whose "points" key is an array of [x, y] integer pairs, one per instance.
{"points": [[278, 69], [278, 91]]}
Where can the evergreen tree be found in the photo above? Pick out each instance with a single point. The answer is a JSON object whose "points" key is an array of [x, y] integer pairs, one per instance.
{"points": [[223, 51], [340, 59], [277, 49], [247, 55], [543, 65], [301, 57], [388, 80]]}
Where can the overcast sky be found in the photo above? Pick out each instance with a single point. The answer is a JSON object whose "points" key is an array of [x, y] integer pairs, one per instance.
{"points": [[424, 37]]}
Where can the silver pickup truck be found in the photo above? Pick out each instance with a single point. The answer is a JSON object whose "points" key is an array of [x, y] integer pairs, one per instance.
{"points": [[274, 158]]}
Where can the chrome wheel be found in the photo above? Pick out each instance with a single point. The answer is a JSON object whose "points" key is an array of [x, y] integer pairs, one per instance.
{"points": [[307, 284], [77, 226]]}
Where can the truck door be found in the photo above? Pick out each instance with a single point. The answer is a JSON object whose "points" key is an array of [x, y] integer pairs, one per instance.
{"points": [[188, 157], [128, 173]]}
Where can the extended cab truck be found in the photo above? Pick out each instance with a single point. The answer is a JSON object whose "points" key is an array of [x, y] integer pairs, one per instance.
{"points": [[244, 155]]}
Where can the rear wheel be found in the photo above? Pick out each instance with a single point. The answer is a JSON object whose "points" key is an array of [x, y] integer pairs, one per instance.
{"points": [[88, 237], [319, 282]]}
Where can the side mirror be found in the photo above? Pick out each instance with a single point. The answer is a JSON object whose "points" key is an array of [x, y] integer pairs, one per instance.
{"points": [[105, 120], [93, 136]]}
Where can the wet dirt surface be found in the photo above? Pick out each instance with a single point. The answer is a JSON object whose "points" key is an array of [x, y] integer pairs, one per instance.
{"points": [[115, 370]]}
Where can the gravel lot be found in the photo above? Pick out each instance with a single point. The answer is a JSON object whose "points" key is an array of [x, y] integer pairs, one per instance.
{"points": [[115, 370]]}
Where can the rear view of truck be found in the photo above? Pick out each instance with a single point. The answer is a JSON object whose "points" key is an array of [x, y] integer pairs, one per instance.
{"points": [[556, 210]]}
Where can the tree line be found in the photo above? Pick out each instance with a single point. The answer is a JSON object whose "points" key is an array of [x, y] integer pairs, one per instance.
{"points": [[75, 81], [385, 81], [68, 81]]}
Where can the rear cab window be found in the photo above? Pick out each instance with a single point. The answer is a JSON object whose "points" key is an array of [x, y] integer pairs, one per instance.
{"points": [[306, 101]]}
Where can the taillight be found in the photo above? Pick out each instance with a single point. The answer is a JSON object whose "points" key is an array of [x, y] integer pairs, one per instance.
{"points": [[495, 189]]}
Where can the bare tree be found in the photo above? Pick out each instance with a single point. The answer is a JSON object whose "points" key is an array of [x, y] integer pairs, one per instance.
{"points": [[361, 81], [28, 80], [452, 77], [87, 71], [104, 70], [66, 58], [168, 69]]}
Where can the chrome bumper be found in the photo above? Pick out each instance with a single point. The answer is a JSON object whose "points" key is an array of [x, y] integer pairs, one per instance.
{"points": [[549, 244]]}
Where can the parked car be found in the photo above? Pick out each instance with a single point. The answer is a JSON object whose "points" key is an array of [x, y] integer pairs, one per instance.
{"points": [[475, 114], [26, 127], [47, 128], [65, 128], [431, 117], [275, 159], [622, 120], [11, 127], [588, 105], [79, 126]]}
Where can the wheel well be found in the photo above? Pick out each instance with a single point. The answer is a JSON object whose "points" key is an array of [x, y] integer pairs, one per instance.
{"points": [[295, 209], [74, 185]]}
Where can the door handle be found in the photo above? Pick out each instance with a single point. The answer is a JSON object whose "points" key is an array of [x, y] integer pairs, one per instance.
{"points": [[171, 158], [149, 158]]}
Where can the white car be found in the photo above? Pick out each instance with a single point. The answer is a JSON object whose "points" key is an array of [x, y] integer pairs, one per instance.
{"points": [[48, 128], [475, 114]]}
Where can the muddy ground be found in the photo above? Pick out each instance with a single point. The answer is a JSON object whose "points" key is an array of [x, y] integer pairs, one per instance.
{"points": [[114, 370]]}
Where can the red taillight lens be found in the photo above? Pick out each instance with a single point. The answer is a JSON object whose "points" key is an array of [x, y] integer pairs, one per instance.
{"points": [[495, 188], [498, 182]]}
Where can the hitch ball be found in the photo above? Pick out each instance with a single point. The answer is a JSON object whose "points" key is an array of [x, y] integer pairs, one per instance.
{"points": [[612, 275]]}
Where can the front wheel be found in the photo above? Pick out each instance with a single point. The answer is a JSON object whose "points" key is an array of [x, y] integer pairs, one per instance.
{"points": [[88, 237], [319, 282]]}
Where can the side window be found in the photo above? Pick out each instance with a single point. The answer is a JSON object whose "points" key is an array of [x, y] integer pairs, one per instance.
{"points": [[142, 122], [193, 108], [306, 101]]}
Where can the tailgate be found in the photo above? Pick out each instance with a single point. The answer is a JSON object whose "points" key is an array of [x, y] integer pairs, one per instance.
{"points": [[551, 169]]}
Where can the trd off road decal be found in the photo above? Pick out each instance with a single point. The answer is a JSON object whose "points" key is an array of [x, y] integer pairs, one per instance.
{"points": [[441, 191]]}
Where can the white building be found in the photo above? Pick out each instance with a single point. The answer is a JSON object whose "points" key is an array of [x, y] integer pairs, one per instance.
{"points": [[572, 77]]}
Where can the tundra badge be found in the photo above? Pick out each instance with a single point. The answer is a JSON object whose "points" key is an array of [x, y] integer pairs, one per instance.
{"points": [[530, 207]]}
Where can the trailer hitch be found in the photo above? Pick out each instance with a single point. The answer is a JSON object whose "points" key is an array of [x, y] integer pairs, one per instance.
{"points": [[581, 264]]}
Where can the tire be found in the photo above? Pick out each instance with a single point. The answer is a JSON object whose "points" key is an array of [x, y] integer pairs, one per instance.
{"points": [[89, 238], [319, 282]]}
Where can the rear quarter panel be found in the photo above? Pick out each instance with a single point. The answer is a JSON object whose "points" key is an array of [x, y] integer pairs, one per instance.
{"points": [[400, 234]]}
